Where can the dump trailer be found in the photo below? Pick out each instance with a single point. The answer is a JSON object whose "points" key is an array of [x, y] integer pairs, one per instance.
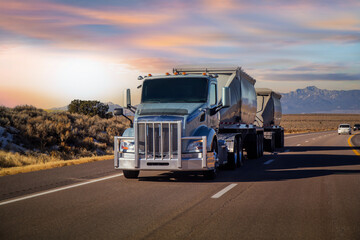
{"points": [[193, 120], [268, 117]]}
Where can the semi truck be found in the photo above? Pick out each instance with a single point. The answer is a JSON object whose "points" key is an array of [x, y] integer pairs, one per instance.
{"points": [[194, 120], [268, 117]]}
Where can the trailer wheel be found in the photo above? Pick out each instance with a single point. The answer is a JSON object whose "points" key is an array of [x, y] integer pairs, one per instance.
{"points": [[260, 138], [211, 174], [279, 139], [240, 160], [131, 173], [234, 157], [273, 142], [253, 145]]}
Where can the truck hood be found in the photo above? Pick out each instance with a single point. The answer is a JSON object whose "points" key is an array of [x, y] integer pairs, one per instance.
{"points": [[151, 109]]}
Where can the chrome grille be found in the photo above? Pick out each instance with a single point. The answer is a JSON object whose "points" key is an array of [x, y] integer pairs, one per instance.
{"points": [[158, 140]]}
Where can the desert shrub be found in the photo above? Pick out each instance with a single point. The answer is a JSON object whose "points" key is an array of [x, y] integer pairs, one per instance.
{"points": [[91, 108], [61, 134]]}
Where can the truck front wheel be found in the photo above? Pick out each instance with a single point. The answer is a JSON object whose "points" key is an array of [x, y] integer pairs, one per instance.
{"points": [[211, 174], [131, 173]]}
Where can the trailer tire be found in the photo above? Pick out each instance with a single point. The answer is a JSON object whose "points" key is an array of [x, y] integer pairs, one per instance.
{"points": [[131, 173], [235, 158], [273, 142], [252, 147], [240, 161], [279, 139], [210, 174], [260, 139]]}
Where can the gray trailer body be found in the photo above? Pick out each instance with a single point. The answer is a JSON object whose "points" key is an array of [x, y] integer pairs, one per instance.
{"points": [[268, 116], [269, 110]]}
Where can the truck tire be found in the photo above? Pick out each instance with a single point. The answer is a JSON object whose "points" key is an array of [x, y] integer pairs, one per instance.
{"points": [[235, 158], [279, 139], [270, 142], [260, 138], [252, 148], [273, 142], [240, 161], [211, 174], [131, 173]]}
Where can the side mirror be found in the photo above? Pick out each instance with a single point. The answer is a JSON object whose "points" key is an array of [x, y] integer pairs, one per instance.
{"points": [[127, 98], [226, 97], [118, 111]]}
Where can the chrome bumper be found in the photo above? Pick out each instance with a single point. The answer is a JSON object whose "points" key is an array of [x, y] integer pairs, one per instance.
{"points": [[159, 149]]}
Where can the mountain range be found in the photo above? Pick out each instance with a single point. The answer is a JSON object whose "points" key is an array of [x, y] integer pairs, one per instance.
{"points": [[314, 100], [307, 100]]}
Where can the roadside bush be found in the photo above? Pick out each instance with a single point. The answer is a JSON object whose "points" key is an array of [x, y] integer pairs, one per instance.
{"points": [[60, 134]]}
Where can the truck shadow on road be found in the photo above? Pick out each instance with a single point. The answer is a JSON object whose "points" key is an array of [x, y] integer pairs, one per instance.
{"points": [[293, 164], [314, 148]]}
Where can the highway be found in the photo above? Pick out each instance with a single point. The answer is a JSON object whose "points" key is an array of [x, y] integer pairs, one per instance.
{"points": [[310, 189]]}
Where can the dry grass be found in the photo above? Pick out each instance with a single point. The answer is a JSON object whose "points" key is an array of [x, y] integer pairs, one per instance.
{"points": [[10, 159], [51, 164], [299, 123]]}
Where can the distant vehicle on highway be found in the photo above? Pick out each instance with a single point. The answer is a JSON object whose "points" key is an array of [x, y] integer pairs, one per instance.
{"points": [[356, 127], [344, 129]]}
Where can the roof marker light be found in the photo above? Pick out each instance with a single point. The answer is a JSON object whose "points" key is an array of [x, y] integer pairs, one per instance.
{"points": [[204, 74], [149, 75], [184, 73], [167, 74], [176, 73]]}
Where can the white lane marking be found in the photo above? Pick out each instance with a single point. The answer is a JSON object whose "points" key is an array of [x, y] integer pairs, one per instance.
{"points": [[303, 134], [59, 189], [298, 144], [222, 192], [269, 161]]}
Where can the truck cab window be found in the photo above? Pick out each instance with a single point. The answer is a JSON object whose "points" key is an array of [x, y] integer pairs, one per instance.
{"points": [[213, 93], [175, 90]]}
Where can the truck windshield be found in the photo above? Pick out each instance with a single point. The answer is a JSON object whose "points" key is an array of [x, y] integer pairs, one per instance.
{"points": [[171, 90]]}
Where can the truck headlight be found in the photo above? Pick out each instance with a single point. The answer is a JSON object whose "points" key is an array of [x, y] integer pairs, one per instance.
{"points": [[195, 146], [127, 146]]}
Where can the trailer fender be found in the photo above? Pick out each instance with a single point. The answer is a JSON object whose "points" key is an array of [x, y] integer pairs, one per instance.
{"points": [[208, 132]]}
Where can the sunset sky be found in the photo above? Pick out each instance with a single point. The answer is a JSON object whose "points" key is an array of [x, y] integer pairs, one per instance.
{"points": [[54, 51]]}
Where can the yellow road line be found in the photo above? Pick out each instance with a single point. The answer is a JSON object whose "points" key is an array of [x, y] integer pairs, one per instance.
{"points": [[352, 146]]}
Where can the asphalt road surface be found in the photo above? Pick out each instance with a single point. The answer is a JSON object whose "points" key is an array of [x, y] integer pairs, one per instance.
{"points": [[308, 190]]}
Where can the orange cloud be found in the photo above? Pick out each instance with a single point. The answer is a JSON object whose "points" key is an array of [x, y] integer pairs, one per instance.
{"points": [[175, 40], [351, 23], [53, 10], [152, 65], [13, 97], [57, 22]]}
